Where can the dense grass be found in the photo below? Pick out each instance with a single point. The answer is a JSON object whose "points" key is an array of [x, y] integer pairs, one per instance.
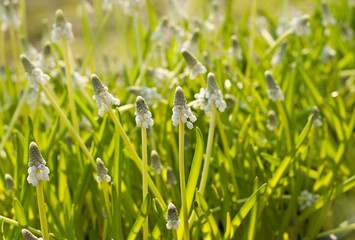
{"points": [[255, 187]]}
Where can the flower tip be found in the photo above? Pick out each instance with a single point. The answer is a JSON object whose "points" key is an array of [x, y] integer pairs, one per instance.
{"points": [[27, 235], [96, 83], [27, 64], [35, 156], [59, 17], [179, 98], [212, 82], [47, 49]]}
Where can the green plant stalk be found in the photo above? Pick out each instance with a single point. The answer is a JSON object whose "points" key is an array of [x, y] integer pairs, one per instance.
{"points": [[208, 150], [182, 180], [23, 16], [145, 176], [15, 116], [15, 51], [68, 124], [282, 111], [105, 190], [2, 48], [350, 227], [137, 41], [135, 156], [252, 36], [70, 84], [174, 234], [15, 223], [42, 210]]}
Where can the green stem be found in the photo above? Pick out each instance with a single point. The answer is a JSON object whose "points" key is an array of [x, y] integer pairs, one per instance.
{"points": [[286, 125], [69, 77], [145, 176], [182, 180], [175, 235], [15, 223], [67, 123], [208, 150], [137, 41], [337, 230], [42, 210], [105, 189], [135, 156], [252, 36], [15, 51], [15, 116], [23, 16]]}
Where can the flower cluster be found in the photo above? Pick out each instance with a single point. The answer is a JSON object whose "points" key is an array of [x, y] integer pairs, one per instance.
{"points": [[34, 74], [9, 182], [279, 55], [273, 90], [46, 61], [27, 235], [101, 171], [170, 177], [150, 94], [206, 98], [300, 25], [272, 123], [37, 169], [328, 18], [143, 115], [181, 111], [28, 49], [61, 28], [307, 199], [317, 119], [195, 66], [172, 217], [79, 81], [155, 162], [234, 51], [102, 96], [10, 18]]}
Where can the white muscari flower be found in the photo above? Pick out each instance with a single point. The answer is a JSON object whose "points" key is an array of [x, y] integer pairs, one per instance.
{"points": [[181, 111], [234, 51], [170, 177], [306, 199], [34, 74], [161, 32], [108, 4], [27, 235], [300, 25], [85, 124], [79, 81], [160, 76], [327, 16], [155, 162], [172, 217], [279, 55], [101, 171], [37, 169], [143, 115], [102, 96], [29, 50], [32, 98], [347, 33], [273, 90], [150, 94], [61, 28], [282, 27], [9, 182], [10, 18], [195, 66], [317, 119], [272, 123], [191, 43], [327, 54], [46, 61]]}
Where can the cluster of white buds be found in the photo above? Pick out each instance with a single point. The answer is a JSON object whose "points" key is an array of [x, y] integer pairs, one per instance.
{"points": [[181, 111], [195, 66], [273, 90], [37, 169], [27, 235], [272, 123], [108, 4], [170, 177], [10, 18], [192, 42], [155, 162], [9, 182], [102, 96], [327, 54], [278, 57], [33, 97], [306, 199], [46, 61], [234, 51], [143, 115], [172, 217], [34, 74], [160, 76], [150, 94], [101, 171], [317, 119], [327, 16], [61, 28], [161, 32], [79, 81], [300, 25], [206, 98], [29, 50]]}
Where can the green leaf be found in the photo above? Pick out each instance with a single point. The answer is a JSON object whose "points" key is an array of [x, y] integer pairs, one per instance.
{"points": [[142, 215], [20, 213]]}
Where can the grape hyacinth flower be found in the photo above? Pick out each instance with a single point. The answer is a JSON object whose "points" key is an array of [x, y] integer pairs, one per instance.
{"points": [[29, 50], [46, 61], [327, 16], [181, 111], [102, 96], [317, 119], [9, 182], [307, 199], [195, 66], [36, 166], [300, 25], [34, 74], [155, 162], [172, 217], [10, 18], [150, 94], [102, 171], [61, 28], [206, 98], [170, 177], [27, 235], [273, 90], [279, 55], [272, 123], [143, 115], [327, 54]]}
